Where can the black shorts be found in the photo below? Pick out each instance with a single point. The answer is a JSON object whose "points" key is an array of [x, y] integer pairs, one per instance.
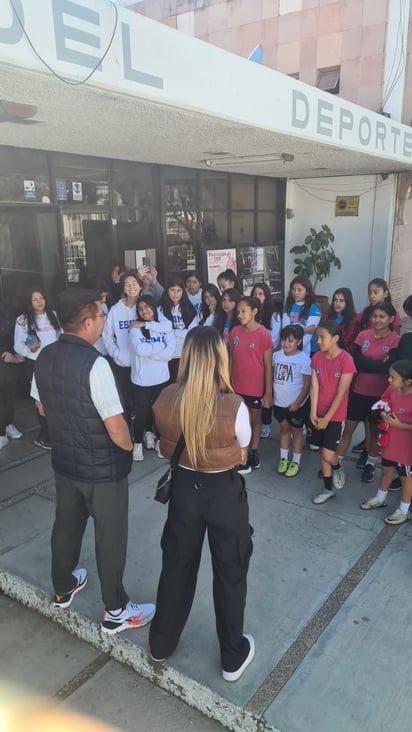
{"points": [[404, 471], [252, 402], [359, 406], [328, 438], [295, 419]]}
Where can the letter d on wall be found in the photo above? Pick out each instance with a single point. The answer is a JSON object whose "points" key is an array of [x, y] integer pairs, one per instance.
{"points": [[14, 32], [300, 109]]}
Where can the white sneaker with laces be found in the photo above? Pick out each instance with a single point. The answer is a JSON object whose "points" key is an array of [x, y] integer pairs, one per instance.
{"points": [[149, 440], [13, 433], [158, 453], [3, 441], [138, 452], [338, 478], [133, 616]]}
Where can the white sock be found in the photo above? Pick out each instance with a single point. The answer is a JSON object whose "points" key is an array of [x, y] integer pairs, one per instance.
{"points": [[404, 507], [381, 495], [370, 460], [115, 612], [340, 458], [284, 454], [296, 457]]}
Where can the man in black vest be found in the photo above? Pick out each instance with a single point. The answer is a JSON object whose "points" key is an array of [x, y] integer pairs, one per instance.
{"points": [[91, 457]]}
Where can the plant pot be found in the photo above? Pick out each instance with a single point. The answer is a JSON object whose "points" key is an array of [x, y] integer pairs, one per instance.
{"points": [[323, 302]]}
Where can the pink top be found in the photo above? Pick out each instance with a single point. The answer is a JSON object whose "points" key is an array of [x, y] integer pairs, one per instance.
{"points": [[376, 349], [399, 445], [329, 371], [248, 348]]}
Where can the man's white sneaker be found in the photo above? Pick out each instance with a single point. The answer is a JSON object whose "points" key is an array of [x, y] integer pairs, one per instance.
{"points": [[137, 452], [149, 440], [235, 675], [13, 433]]}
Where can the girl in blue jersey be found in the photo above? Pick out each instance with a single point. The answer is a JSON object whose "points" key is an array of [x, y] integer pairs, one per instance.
{"points": [[301, 309], [175, 306], [152, 345]]}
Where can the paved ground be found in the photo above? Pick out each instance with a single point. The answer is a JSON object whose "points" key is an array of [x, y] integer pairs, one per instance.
{"points": [[328, 603]]}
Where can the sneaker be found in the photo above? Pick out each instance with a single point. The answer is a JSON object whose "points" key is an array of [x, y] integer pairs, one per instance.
{"points": [[137, 452], [397, 517], [372, 503], [3, 441], [293, 469], [42, 443], [133, 616], [64, 601], [338, 478], [244, 468], [282, 466], [157, 660], [149, 440], [253, 459], [368, 473], [395, 485], [235, 675], [265, 430], [323, 496], [360, 447], [13, 432], [361, 461], [158, 453], [313, 447]]}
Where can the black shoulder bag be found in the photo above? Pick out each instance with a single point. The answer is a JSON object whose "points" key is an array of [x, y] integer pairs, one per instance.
{"points": [[164, 486]]}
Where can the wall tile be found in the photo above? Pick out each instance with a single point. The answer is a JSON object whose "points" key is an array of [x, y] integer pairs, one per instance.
{"points": [[375, 11], [170, 21], [371, 71], [308, 53], [308, 74], [201, 22], [289, 6], [373, 39], [270, 56], [270, 31], [309, 23], [329, 50], [330, 19], [349, 92], [270, 9], [186, 23], [241, 12], [289, 57], [250, 36], [350, 74], [217, 18], [370, 97], [307, 4], [352, 14], [351, 43], [289, 27]]}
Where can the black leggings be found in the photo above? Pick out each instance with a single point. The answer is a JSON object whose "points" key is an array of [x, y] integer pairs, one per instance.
{"points": [[144, 398]]}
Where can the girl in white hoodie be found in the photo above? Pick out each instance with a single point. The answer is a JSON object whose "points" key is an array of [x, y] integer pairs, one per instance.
{"points": [[176, 306], [117, 342], [153, 344]]}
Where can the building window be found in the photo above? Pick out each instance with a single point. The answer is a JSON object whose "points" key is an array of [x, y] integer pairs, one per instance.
{"points": [[24, 176], [81, 181], [329, 79]]}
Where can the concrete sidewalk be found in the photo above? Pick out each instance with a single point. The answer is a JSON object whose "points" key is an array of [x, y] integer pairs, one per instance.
{"points": [[327, 600]]}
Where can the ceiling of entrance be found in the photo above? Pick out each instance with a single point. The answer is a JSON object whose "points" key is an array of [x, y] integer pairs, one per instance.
{"points": [[87, 121]]}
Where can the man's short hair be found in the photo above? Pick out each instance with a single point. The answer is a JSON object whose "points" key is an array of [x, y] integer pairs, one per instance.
{"points": [[74, 305]]}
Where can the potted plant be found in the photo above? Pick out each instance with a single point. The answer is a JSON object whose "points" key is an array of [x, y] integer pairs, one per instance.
{"points": [[316, 257]]}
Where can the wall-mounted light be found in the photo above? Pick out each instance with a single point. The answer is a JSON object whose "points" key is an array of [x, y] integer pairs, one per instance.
{"points": [[17, 112], [250, 159]]}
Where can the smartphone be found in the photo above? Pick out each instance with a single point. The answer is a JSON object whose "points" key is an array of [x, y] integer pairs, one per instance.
{"points": [[146, 261]]}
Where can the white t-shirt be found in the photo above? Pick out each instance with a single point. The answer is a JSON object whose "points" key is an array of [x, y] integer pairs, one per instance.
{"points": [[288, 372], [105, 396]]}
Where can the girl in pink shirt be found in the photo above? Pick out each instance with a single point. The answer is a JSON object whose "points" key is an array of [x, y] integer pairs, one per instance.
{"points": [[397, 452]]}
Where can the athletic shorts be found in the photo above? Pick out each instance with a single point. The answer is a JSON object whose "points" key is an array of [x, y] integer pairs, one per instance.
{"points": [[404, 471], [359, 406], [295, 419], [328, 438], [253, 402]]}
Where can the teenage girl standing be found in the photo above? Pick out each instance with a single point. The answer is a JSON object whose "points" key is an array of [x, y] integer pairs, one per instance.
{"points": [[332, 373], [153, 345], [194, 290], [211, 312], [175, 306], [116, 338], [301, 308], [291, 384], [397, 452], [229, 302], [371, 354], [227, 279], [343, 311], [250, 349], [38, 322]]}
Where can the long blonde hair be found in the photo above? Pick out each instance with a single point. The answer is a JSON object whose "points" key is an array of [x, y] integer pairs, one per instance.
{"points": [[203, 375]]}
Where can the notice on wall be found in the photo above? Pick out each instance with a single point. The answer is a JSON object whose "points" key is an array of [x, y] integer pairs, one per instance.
{"points": [[347, 206], [30, 190], [218, 260], [61, 190], [77, 191]]}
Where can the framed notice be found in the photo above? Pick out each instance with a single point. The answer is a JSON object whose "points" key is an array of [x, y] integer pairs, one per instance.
{"points": [[347, 206], [218, 260]]}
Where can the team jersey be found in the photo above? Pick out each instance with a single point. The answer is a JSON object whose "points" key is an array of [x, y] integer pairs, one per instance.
{"points": [[376, 349], [399, 445], [248, 349]]}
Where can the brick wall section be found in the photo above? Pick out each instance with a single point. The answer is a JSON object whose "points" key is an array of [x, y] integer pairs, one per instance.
{"points": [[323, 33]]}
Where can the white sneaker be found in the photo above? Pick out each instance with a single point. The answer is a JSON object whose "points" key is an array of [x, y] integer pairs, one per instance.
{"points": [[13, 432], [3, 441], [235, 675], [138, 452], [158, 453], [338, 478], [149, 440]]}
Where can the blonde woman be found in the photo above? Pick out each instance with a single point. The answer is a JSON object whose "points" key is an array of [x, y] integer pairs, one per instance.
{"points": [[208, 495]]}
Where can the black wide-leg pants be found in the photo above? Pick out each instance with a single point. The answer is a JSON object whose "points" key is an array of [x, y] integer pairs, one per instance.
{"points": [[107, 503], [216, 503]]}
